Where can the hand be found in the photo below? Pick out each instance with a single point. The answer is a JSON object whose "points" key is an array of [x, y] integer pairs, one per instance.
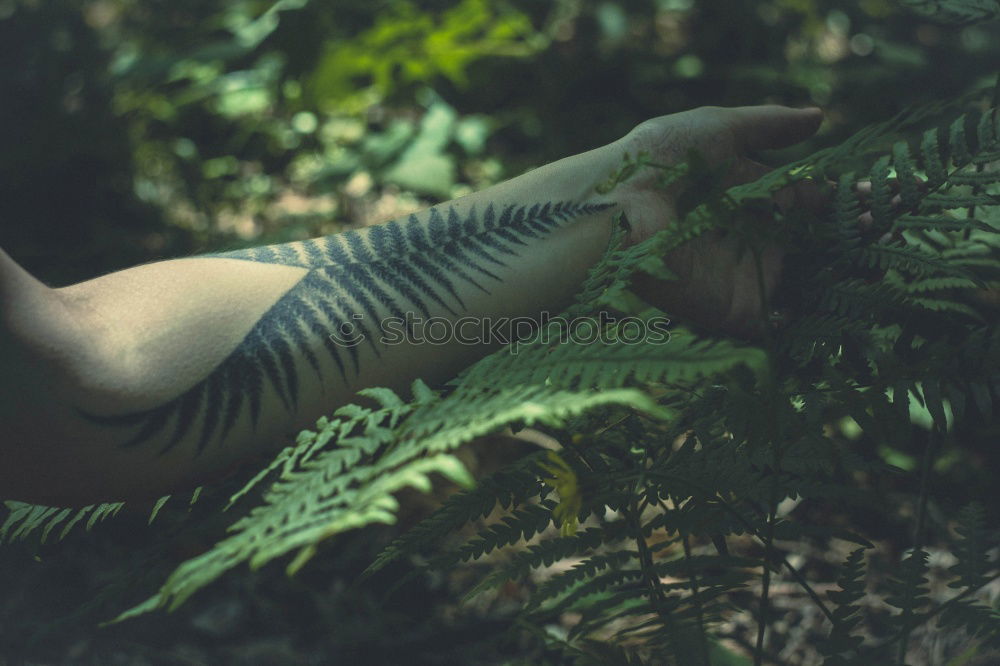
{"points": [[718, 286]]}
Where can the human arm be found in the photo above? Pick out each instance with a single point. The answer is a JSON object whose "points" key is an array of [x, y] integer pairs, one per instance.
{"points": [[153, 378]]}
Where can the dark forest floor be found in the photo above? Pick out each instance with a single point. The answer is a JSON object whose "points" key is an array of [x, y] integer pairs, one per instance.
{"points": [[55, 596]]}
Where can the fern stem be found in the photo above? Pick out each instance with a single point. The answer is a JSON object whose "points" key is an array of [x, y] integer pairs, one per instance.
{"points": [[931, 614], [748, 526], [771, 388], [765, 602], [967, 592], [810, 592], [646, 561], [918, 536], [698, 607], [976, 189], [656, 595]]}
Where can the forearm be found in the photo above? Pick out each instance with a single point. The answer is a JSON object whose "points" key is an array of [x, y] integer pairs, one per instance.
{"points": [[222, 356]]}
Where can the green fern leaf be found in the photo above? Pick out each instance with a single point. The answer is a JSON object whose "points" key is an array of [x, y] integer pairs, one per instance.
{"points": [[952, 201], [971, 549], [909, 589], [577, 365], [546, 553], [934, 165], [905, 174], [881, 197], [25, 519], [960, 152], [976, 178], [841, 643], [505, 488], [988, 131], [941, 223], [562, 583], [943, 305], [902, 257]]}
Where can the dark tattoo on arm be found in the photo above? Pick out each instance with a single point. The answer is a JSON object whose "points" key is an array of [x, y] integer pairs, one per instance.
{"points": [[352, 277]]}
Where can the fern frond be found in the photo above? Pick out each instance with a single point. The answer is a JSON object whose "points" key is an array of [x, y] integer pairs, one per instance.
{"points": [[952, 201], [881, 197], [944, 305], [841, 642], [587, 569], [323, 491], [619, 604], [467, 414], [597, 591], [509, 486], [611, 365], [546, 553], [988, 132], [908, 591], [972, 548], [520, 525], [961, 153], [25, 519], [978, 621], [316, 497], [983, 263], [985, 159], [856, 299], [616, 596], [976, 178], [940, 284], [819, 334], [933, 162], [941, 223], [886, 256]]}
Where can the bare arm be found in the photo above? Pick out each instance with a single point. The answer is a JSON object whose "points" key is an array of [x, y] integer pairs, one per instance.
{"points": [[142, 381]]}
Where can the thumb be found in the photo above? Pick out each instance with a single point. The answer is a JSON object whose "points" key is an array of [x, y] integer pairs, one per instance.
{"points": [[770, 127]]}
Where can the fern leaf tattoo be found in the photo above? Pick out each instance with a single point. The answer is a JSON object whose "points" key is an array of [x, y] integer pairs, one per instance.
{"points": [[352, 277]]}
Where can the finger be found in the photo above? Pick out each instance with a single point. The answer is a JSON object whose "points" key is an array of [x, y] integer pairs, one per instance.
{"points": [[864, 189], [770, 127]]}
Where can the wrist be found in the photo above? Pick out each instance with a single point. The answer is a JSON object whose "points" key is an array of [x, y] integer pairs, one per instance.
{"points": [[572, 179]]}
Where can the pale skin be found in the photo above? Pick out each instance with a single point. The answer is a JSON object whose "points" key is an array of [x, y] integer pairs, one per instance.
{"points": [[132, 340]]}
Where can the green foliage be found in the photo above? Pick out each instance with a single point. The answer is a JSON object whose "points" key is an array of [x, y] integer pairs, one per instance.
{"points": [[408, 45], [841, 644], [908, 591], [682, 440], [973, 571], [696, 439], [672, 453], [26, 519], [746, 441]]}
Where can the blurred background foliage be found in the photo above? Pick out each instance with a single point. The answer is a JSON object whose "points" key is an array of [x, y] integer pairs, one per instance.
{"points": [[135, 131]]}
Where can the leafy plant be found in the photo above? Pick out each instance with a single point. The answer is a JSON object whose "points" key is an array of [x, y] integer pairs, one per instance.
{"points": [[668, 447], [679, 461]]}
